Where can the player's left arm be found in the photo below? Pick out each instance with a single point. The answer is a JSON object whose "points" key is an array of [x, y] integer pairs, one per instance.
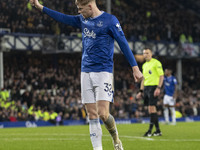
{"points": [[118, 34], [175, 89], [160, 72]]}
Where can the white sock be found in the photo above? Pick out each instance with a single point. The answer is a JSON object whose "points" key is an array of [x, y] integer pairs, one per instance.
{"points": [[166, 114], [173, 114], [98, 148], [95, 134]]}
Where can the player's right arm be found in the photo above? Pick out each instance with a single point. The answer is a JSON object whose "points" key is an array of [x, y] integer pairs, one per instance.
{"points": [[60, 17], [36, 4]]}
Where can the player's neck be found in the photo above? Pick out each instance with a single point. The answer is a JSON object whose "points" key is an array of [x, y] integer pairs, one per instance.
{"points": [[149, 60], [96, 12]]}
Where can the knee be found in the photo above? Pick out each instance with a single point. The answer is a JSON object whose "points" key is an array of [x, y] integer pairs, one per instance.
{"points": [[92, 115], [103, 116], [152, 109]]}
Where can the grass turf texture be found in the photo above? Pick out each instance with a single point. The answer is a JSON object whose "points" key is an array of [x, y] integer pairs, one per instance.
{"points": [[183, 136]]}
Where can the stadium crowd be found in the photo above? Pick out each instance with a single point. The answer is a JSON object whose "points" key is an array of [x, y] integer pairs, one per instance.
{"points": [[140, 19], [47, 87]]}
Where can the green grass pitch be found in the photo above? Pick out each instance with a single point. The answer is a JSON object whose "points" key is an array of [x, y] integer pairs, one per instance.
{"points": [[183, 136]]}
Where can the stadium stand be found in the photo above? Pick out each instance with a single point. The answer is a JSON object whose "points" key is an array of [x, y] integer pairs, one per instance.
{"points": [[46, 87], [140, 19], [40, 83]]}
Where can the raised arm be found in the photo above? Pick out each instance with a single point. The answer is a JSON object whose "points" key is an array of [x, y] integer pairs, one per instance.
{"points": [[60, 17], [36, 4]]}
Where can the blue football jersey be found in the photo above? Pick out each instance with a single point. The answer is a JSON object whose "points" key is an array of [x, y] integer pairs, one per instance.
{"points": [[98, 42], [98, 35], [169, 85]]}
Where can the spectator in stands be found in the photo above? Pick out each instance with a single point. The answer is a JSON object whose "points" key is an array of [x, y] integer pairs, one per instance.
{"points": [[149, 18], [26, 67]]}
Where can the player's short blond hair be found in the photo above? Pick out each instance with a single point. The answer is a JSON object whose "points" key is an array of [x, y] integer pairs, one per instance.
{"points": [[83, 2]]}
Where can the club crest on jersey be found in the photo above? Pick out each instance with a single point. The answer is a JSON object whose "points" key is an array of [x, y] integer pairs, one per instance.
{"points": [[119, 27], [100, 24], [150, 72], [167, 84], [89, 33]]}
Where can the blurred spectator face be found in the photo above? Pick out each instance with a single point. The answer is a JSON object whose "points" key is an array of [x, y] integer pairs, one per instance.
{"points": [[147, 54]]}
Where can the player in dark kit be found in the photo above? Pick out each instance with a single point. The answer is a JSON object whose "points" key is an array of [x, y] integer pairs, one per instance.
{"points": [[150, 86]]}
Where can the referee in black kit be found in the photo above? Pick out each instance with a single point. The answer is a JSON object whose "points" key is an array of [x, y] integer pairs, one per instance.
{"points": [[150, 89]]}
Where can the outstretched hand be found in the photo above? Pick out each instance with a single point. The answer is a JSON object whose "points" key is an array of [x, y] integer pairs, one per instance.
{"points": [[138, 76], [33, 2], [157, 92], [139, 95], [36, 4]]}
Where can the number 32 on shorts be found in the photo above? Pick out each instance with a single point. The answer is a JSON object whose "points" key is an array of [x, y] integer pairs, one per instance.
{"points": [[108, 88]]}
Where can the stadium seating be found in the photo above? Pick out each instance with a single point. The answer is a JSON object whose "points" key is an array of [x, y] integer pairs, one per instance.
{"points": [[141, 20], [44, 86], [51, 83]]}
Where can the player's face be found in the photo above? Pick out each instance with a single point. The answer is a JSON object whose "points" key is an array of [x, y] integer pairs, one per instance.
{"points": [[167, 72], [147, 54], [85, 10]]}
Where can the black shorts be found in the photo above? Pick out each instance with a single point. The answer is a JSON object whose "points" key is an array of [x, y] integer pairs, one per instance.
{"points": [[149, 99]]}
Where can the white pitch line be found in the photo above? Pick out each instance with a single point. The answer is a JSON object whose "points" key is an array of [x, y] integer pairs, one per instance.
{"points": [[131, 138], [63, 134], [179, 140], [36, 134], [42, 139], [137, 137]]}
